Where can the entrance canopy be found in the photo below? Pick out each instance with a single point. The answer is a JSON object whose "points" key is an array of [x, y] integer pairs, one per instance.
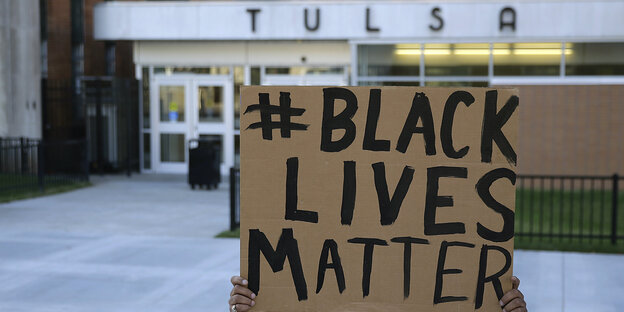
{"points": [[457, 21]]}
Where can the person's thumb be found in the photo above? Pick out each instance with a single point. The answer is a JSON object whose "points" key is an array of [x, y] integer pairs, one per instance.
{"points": [[515, 282]]}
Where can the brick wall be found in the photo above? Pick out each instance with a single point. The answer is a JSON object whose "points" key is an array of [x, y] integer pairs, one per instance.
{"points": [[59, 39], [95, 51], [59, 44]]}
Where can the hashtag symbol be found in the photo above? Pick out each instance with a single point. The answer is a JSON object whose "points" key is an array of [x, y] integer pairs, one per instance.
{"points": [[283, 109]]}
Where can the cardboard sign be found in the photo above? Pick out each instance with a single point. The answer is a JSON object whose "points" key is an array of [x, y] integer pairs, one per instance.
{"points": [[378, 198]]}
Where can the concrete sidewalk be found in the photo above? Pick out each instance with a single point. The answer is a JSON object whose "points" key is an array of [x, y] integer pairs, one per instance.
{"points": [[140, 244], [570, 282], [146, 244]]}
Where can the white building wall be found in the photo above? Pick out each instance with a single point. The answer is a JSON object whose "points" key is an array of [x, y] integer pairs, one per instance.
{"points": [[464, 21], [202, 53], [20, 69]]}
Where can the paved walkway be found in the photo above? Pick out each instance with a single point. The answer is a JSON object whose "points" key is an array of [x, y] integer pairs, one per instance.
{"points": [[146, 244], [139, 244]]}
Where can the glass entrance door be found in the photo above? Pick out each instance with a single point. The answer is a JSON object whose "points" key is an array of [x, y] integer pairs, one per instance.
{"points": [[171, 119], [213, 117], [188, 107]]}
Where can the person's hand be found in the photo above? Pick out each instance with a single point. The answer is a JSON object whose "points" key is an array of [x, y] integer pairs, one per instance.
{"points": [[513, 300], [241, 297]]}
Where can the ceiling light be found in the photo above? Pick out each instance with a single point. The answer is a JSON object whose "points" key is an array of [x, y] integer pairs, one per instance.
{"points": [[407, 51], [437, 52], [471, 52], [541, 52]]}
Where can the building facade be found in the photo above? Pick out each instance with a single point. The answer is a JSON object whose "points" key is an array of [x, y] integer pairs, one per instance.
{"points": [[567, 58], [86, 84], [20, 73]]}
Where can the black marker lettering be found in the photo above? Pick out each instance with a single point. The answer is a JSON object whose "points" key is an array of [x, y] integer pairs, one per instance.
{"points": [[340, 121], [348, 193], [421, 109], [367, 266], [267, 110], [446, 130], [437, 296], [372, 117], [495, 278], [286, 248], [493, 122], [330, 245], [483, 189], [407, 259], [389, 208], [292, 173], [433, 201]]}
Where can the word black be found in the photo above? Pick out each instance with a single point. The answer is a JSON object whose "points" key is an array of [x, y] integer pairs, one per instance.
{"points": [[493, 122]]}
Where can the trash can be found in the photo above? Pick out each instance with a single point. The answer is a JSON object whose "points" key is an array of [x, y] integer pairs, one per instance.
{"points": [[204, 166]]}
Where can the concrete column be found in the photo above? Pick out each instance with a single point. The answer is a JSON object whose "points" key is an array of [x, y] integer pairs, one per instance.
{"points": [[20, 69], [5, 62]]}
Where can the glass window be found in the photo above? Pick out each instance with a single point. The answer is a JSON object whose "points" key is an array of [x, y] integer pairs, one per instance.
{"points": [[255, 76], [214, 70], [171, 147], [147, 151], [527, 59], [465, 59], [303, 70], [456, 84], [171, 100], [389, 60], [145, 82], [210, 104], [595, 58], [390, 83], [239, 80]]}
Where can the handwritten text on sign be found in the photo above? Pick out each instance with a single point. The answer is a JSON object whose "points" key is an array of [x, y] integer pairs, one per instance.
{"points": [[377, 199]]}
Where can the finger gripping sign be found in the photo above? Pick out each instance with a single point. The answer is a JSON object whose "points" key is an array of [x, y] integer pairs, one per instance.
{"points": [[378, 198]]}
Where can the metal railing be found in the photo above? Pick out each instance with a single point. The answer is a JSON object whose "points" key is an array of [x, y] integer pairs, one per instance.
{"points": [[567, 208], [32, 164], [101, 110]]}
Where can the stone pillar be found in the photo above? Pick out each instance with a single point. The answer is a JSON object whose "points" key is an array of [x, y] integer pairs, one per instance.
{"points": [[20, 69]]}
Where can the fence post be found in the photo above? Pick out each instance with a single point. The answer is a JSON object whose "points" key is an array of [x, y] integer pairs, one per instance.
{"points": [[23, 160], [232, 198], [128, 103], [614, 208], [85, 160], [41, 166]]}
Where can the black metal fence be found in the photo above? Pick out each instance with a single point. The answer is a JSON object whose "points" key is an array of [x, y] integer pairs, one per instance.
{"points": [[111, 106], [570, 208], [548, 208], [101, 110], [62, 116], [234, 198], [31, 165]]}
